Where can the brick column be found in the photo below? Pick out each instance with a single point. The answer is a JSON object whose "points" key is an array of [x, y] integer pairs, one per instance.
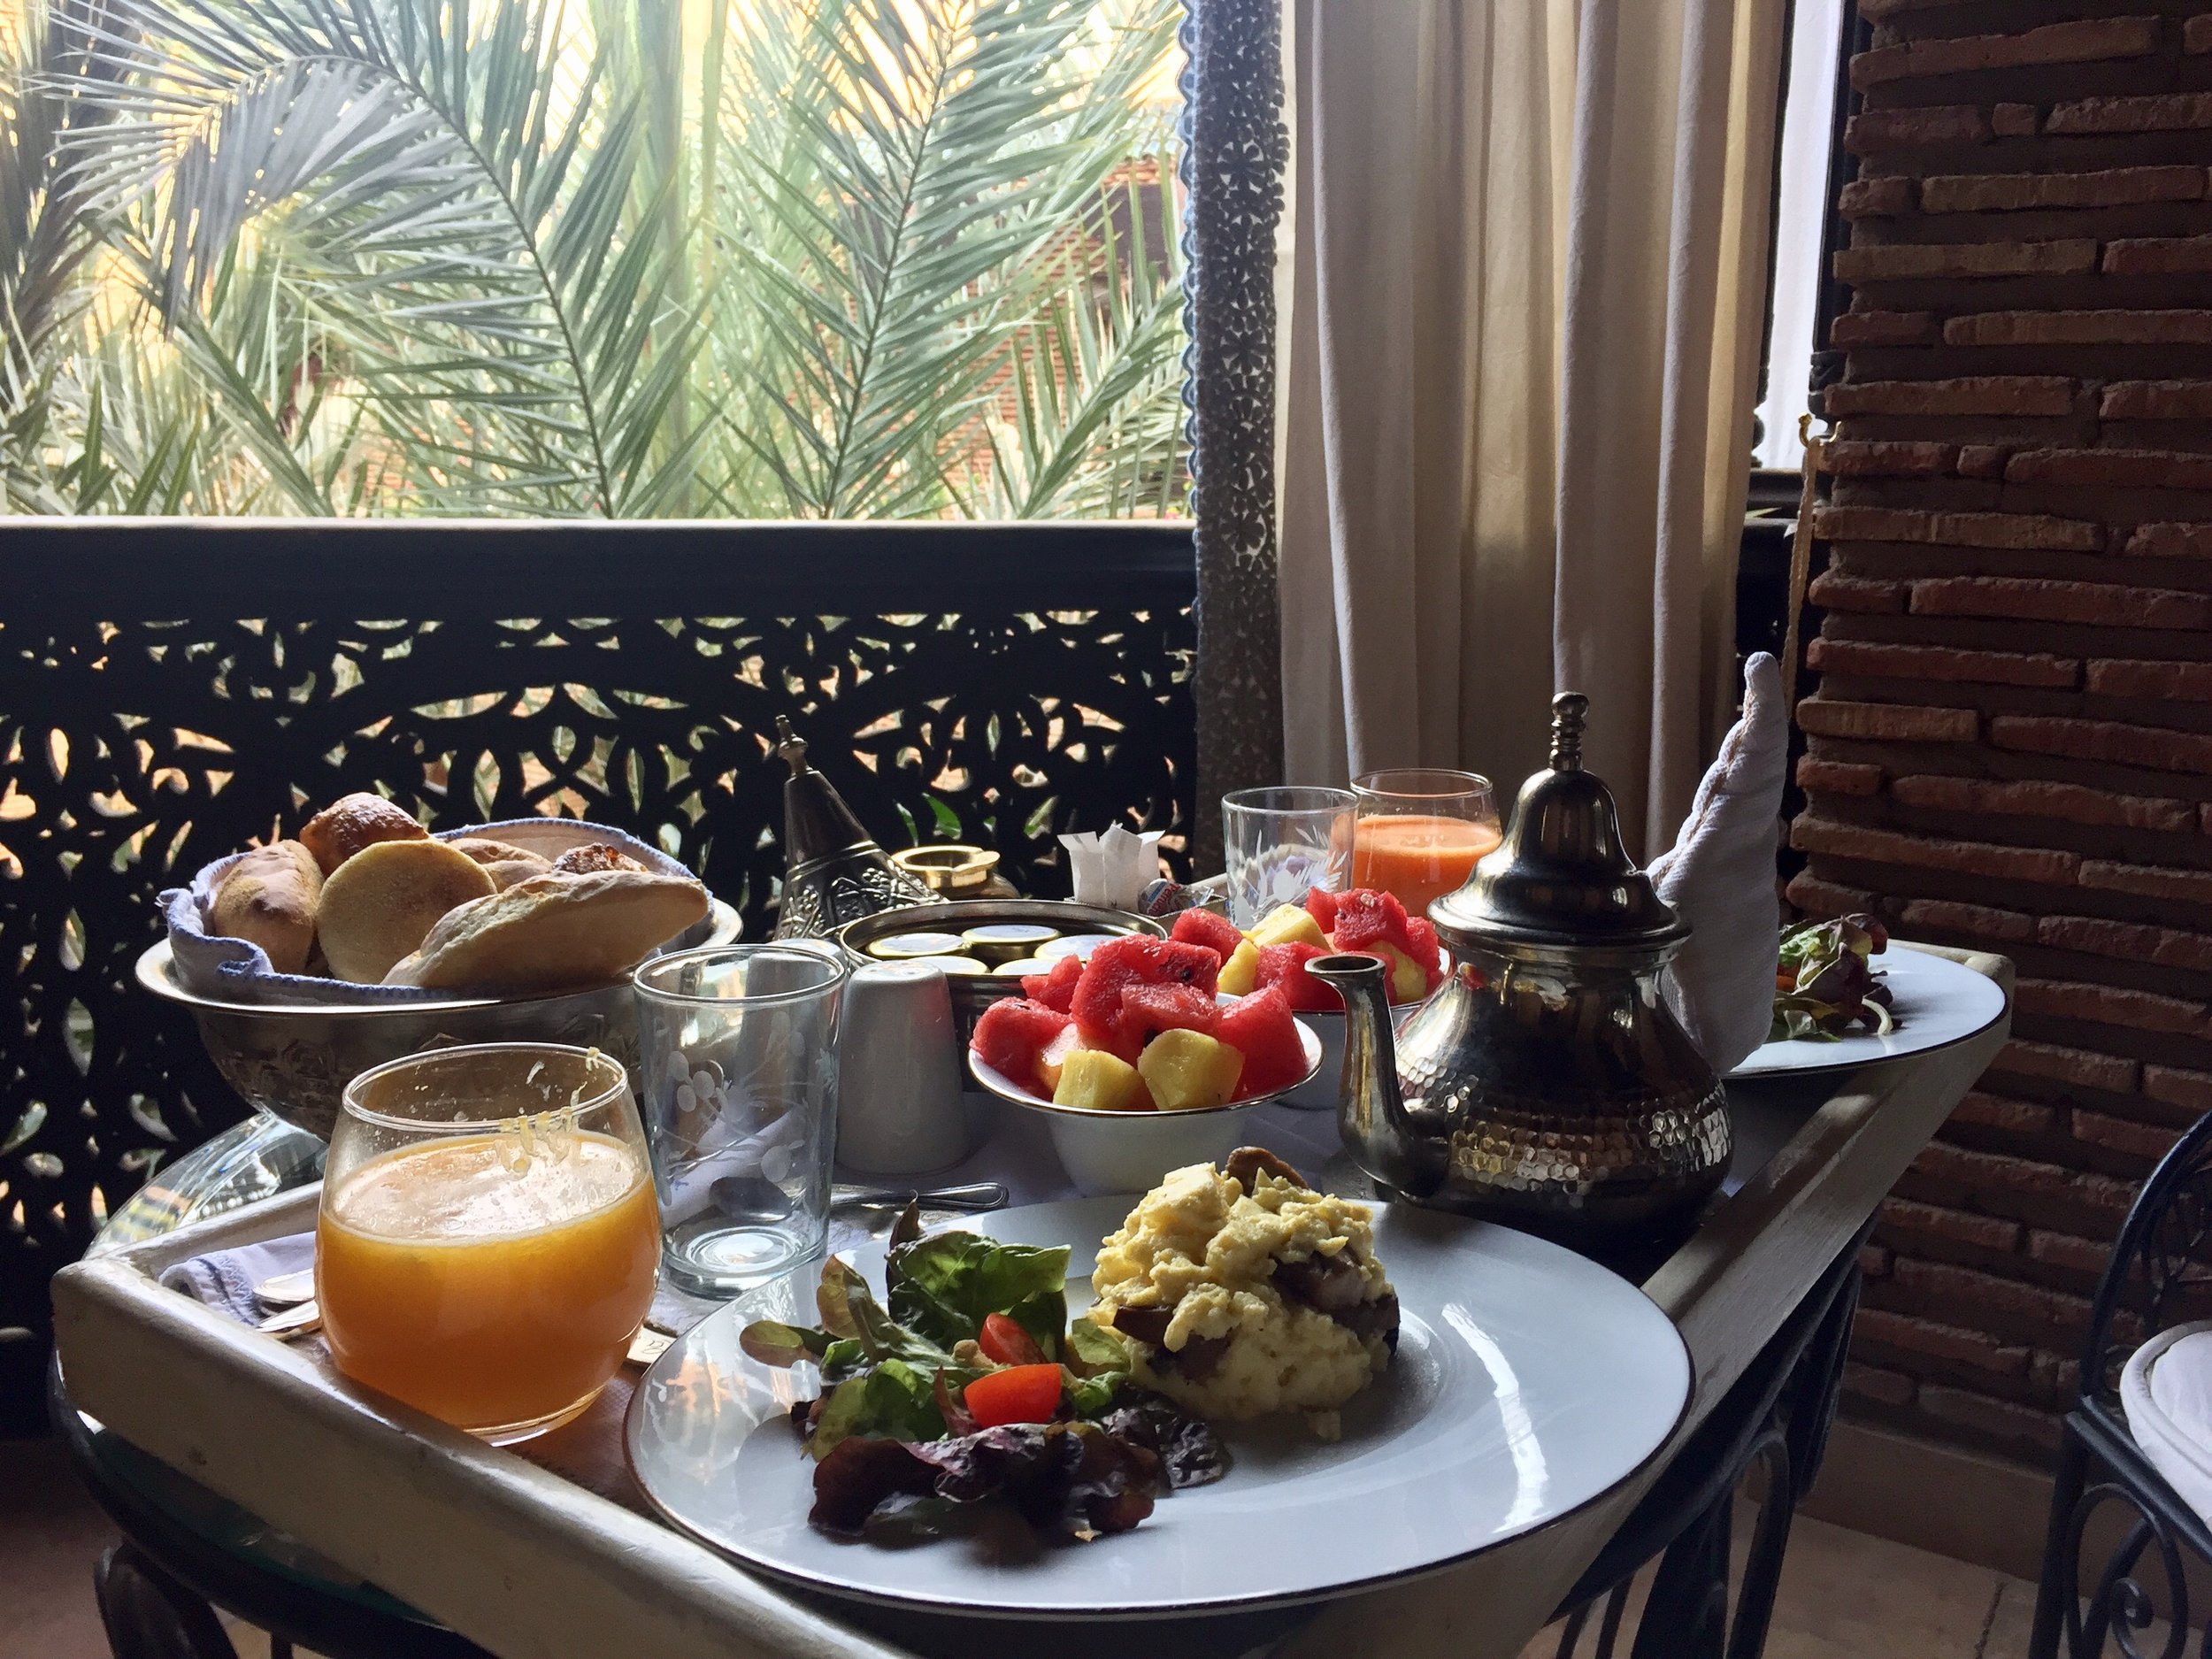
{"points": [[2011, 742]]}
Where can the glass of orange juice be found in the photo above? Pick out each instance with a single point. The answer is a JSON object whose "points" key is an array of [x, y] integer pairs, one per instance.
{"points": [[488, 1239], [1419, 832]]}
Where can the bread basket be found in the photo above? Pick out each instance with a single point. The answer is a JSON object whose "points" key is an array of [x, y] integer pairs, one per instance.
{"points": [[293, 1061]]}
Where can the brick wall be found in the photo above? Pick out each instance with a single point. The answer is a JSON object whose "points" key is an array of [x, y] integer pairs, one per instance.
{"points": [[2010, 744]]}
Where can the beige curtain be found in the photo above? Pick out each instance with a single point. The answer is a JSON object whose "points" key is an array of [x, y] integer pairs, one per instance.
{"points": [[1526, 268]]}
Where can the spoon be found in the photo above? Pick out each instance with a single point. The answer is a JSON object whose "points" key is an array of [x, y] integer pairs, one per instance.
{"points": [[297, 1320], [750, 1197], [285, 1290]]}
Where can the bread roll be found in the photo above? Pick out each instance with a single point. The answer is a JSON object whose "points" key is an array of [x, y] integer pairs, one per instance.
{"points": [[486, 851], [269, 898], [507, 871], [592, 857], [553, 932], [379, 905], [343, 829]]}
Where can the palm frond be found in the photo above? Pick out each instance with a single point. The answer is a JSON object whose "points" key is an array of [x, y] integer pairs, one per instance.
{"points": [[448, 179], [854, 257]]}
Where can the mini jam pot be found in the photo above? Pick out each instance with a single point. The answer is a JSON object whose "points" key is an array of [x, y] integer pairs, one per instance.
{"points": [[903, 947], [1074, 945], [1026, 965], [950, 964], [1007, 942]]}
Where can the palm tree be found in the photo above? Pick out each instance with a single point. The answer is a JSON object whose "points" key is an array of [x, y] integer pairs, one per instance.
{"points": [[885, 258]]}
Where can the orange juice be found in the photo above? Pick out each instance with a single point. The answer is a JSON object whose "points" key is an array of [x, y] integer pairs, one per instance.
{"points": [[1416, 858], [493, 1291]]}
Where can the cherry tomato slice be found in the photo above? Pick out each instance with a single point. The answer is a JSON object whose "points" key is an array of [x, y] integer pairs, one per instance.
{"points": [[1005, 1342], [1020, 1394]]}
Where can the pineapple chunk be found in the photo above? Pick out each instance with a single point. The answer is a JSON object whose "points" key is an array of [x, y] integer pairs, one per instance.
{"points": [[1239, 975], [1054, 1059], [1097, 1081], [1289, 925], [1187, 1068], [1407, 983]]}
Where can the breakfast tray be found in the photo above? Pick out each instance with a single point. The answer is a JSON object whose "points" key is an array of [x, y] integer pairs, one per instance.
{"points": [[552, 1557]]}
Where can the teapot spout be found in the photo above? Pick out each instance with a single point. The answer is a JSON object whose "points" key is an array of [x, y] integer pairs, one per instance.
{"points": [[1372, 1115]]}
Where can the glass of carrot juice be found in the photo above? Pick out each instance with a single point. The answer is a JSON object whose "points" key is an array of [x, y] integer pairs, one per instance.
{"points": [[488, 1237], [1419, 832]]}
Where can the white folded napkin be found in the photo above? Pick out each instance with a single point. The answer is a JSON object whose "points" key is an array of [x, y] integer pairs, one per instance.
{"points": [[225, 1279], [1719, 877], [1114, 869]]}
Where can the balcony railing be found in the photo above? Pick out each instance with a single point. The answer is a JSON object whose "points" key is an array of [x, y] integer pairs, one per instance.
{"points": [[170, 690]]}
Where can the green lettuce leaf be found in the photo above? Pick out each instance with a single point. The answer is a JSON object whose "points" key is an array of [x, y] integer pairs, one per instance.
{"points": [[942, 1287], [894, 1401], [1092, 1348]]}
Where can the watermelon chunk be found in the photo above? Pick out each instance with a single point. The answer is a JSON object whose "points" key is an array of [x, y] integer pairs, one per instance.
{"points": [[1012, 1038], [1366, 917], [1135, 959], [1260, 1028], [1209, 928], [1422, 946], [1321, 905], [1283, 968], [1056, 989], [1148, 1009]]}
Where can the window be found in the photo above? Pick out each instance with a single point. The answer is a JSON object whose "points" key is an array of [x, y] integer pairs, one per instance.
{"points": [[743, 259], [1802, 201]]}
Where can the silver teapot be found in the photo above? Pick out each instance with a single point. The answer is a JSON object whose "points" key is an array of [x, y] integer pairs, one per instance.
{"points": [[1546, 1084]]}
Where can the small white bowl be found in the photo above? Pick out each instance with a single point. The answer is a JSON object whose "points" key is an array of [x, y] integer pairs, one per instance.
{"points": [[1128, 1152]]}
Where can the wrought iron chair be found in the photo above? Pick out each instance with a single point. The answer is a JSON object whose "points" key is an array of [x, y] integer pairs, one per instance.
{"points": [[2160, 1275], [1776, 1418]]}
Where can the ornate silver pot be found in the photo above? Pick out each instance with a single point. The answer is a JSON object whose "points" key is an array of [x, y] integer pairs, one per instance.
{"points": [[1546, 1085]]}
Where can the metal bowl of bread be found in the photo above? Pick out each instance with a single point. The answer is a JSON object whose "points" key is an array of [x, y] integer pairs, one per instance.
{"points": [[307, 961]]}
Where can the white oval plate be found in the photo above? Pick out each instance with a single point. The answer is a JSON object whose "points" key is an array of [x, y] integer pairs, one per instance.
{"points": [[1938, 1002], [1527, 1382]]}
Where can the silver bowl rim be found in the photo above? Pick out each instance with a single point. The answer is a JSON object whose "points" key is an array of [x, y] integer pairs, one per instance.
{"points": [[155, 972], [917, 915]]}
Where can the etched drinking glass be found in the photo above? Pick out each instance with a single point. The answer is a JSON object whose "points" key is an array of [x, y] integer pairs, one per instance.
{"points": [[1282, 843], [739, 1046]]}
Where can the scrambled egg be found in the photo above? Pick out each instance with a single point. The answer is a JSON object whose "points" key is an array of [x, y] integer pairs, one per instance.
{"points": [[1205, 1252]]}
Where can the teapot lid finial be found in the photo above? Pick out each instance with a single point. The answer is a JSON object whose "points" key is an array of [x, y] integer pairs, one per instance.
{"points": [[1569, 709], [1560, 878]]}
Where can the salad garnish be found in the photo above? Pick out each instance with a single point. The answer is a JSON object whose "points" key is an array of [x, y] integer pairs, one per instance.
{"points": [[1825, 988], [971, 1386]]}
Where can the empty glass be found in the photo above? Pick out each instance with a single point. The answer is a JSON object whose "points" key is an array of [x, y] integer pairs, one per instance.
{"points": [[1282, 843], [738, 1044]]}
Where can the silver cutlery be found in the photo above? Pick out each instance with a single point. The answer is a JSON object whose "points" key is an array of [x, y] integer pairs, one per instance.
{"points": [[285, 1290], [297, 1320]]}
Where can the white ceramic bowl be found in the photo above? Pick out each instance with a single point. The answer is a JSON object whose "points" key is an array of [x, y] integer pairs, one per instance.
{"points": [[1128, 1152]]}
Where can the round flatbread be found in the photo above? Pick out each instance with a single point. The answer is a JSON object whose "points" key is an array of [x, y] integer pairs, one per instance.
{"points": [[553, 932]]}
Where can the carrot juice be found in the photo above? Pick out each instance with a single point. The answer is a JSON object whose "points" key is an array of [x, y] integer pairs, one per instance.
{"points": [[492, 1284], [1418, 858]]}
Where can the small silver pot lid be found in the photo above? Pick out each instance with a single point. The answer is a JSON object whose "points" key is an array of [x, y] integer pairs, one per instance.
{"points": [[1561, 876]]}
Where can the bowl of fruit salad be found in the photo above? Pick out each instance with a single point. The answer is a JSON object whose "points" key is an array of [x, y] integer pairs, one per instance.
{"points": [[1135, 1061], [1273, 956]]}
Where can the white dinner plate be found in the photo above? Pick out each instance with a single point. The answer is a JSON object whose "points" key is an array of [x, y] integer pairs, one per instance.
{"points": [[1937, 1003], [1527, 1382]]}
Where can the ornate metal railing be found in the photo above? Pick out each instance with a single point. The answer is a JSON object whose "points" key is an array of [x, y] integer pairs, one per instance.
{"points": [[169, 690]]}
